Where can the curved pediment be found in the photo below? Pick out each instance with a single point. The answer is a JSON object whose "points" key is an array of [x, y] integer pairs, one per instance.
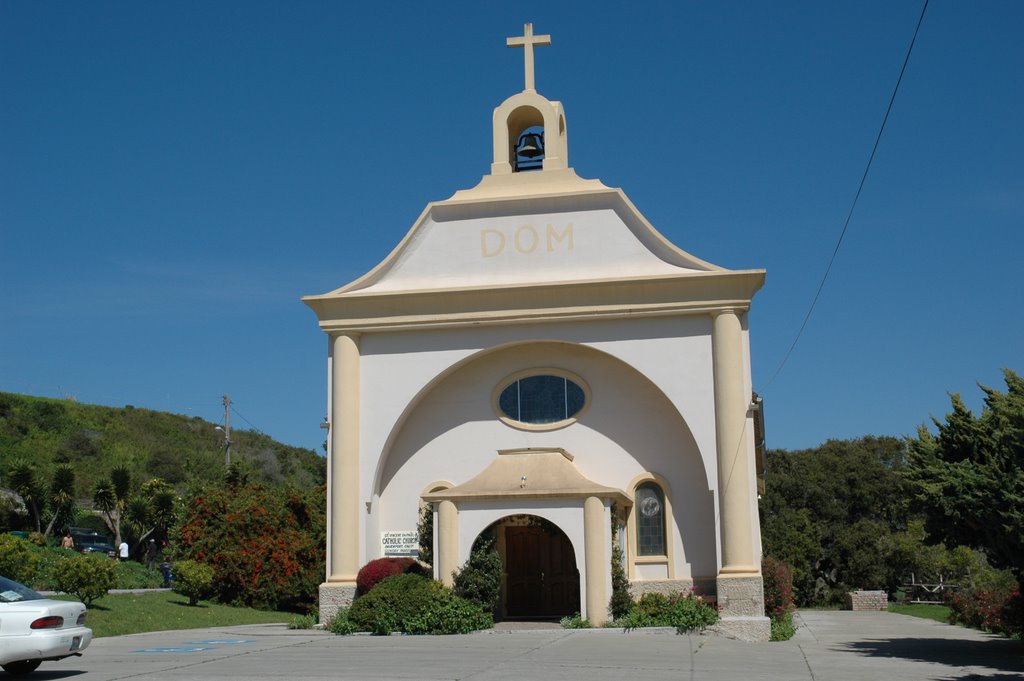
{"points": [[581, 236]]}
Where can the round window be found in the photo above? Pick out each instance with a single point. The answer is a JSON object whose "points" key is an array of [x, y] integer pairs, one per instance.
{"points": [[541, 399]]}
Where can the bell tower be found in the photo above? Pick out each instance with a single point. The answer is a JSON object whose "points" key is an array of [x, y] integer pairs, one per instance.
{"points": [[529, 129]]}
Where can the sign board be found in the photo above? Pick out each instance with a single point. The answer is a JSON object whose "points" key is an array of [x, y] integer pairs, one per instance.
{"points": [[400, 543]]}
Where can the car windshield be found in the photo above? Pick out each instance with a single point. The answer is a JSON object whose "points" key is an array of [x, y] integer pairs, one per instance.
{"points": [[12, 592]]}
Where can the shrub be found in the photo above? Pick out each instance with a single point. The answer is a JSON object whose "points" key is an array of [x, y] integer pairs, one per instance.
{"points": [[394, 598], [575, 622], [85, 577], [684, 612], [778, 597], [783, 628], [38, 538], [17, 560], [425, 529], [621, 600], [778, 587], [417, 605], [479, 580], [340, 624], [192, 580], [376, 570], [447, 613], [265, 546], [1000, 611], [132, 575], [303, 622]]}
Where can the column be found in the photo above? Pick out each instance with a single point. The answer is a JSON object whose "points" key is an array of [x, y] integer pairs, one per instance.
{"points": [[734, 490], [597, 562], [343, 561], [447, 541]]}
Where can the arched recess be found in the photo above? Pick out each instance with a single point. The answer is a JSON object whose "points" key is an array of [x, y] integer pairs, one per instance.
{"points": [[666, 561], [519, 112], [450, 430], [519, 121], [543, 564], [386, 464]]}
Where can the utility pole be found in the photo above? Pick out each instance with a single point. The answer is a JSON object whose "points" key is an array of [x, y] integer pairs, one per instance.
{"points": [[227, 432]]}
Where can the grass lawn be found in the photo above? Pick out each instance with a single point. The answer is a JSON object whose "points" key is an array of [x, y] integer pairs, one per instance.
{"points": [[118, 614], [929, 611]]}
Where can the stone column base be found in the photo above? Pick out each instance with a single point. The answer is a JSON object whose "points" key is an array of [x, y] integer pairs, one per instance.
{"points": [[335, 595], [749, 629], [741, 608], [667, 587]]}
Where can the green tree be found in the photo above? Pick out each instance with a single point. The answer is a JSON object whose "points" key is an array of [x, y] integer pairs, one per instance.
{"points": [[968, 479], [63, 507], [25, 481], [830, 511], [111, 496], [151, 512]]}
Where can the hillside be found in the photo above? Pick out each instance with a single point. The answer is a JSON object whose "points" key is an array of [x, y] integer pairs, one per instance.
{"points": [[179, 449]]}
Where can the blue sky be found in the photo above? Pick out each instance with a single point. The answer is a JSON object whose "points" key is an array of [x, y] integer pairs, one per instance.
{"points": [[174, 176]]}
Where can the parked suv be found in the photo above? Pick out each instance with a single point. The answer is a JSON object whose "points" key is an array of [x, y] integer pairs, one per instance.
{"points": [[91, 541]]}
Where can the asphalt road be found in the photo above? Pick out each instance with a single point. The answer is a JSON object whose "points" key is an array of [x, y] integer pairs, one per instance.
{"points": [[833, 646]]}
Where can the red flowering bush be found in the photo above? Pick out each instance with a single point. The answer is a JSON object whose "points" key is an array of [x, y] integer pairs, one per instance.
{"points": [[376, 570], [778, 587], [266, 547], [996, 610]]}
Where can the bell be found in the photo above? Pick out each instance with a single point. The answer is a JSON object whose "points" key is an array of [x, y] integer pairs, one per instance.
{"points": [[531, 145]]}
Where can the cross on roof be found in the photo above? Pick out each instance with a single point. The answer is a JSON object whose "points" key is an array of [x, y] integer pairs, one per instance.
{"points": [[527, 41]]}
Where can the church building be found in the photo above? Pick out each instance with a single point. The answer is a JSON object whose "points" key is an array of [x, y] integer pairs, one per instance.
{"points": [[535, 361]]}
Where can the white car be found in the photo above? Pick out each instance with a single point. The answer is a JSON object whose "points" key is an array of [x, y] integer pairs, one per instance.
{"points": [[35, 629]]}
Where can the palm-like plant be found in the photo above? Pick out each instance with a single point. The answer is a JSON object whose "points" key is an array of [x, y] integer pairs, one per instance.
{"points": [[25, 482], [152, 510], [62, 497], [111, 496]]}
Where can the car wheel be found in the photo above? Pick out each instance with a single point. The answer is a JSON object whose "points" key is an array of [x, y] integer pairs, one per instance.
{"points": [[21, 667]]}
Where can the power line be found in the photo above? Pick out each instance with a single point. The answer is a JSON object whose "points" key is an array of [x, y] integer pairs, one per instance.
{"points": [[853, 206], [251, 424]]}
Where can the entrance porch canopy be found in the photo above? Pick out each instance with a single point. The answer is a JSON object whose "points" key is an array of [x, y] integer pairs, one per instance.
{"points": [[538, 475], [529, 473]]}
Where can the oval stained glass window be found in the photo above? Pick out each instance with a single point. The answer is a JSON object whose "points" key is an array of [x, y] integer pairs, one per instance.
{"points": [[541, 399]]}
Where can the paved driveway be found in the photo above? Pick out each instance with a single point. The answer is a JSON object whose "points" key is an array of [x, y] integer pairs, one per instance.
{"points": [[829, 646]]}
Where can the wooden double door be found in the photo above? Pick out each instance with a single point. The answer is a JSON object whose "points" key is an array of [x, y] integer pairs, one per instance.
{"points": [[541, 576]]}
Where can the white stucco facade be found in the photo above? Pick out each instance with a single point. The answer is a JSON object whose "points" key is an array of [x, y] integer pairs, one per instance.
{"points": [[544, 273]]}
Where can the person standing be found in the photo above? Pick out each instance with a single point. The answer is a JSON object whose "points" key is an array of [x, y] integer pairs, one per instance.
{"points": [[122, 550], [151, 555], [67, 542]]}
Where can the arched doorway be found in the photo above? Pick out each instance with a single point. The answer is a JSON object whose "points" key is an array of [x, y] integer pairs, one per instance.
{"points": [[541, 577]]}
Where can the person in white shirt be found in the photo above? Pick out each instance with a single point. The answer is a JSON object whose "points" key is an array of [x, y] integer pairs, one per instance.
{"points": [[123, 550]]}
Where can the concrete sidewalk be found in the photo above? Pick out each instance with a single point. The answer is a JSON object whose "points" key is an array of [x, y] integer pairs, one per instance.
{"points": [[833, 646]]}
